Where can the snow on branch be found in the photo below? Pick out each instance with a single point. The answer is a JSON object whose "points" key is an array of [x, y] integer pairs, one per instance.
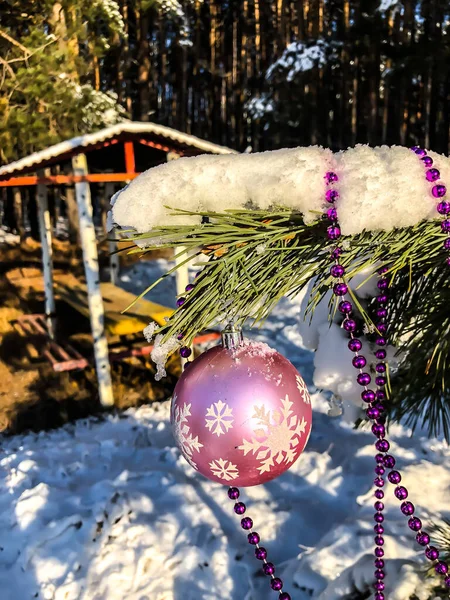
{"points": [[380, 188]]}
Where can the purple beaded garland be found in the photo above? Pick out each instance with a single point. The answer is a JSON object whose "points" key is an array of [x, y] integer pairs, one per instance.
{"points": [[374, 412]]}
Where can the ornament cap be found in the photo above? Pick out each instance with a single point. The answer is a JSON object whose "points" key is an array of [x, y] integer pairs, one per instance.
{"points": [[232, 337]]}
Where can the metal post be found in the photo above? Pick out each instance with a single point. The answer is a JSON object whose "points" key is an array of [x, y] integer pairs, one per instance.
{"points": [[114, 262], [91, 269], [45, 232]]}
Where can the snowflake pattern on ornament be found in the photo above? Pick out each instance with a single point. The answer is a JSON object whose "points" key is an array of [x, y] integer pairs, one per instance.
{"points": [[182, 433], [224, 469], [278, 436], [219, 418], [301, 386]]}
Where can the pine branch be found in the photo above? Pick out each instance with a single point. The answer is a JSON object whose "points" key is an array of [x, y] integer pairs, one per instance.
{"points": [[257, 257]]}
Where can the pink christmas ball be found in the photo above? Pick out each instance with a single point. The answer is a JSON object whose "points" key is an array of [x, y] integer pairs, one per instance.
{"points": [[241, 417]]}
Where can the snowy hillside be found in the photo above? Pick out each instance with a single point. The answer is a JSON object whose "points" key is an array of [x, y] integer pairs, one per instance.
{"points": [[106, 509]]}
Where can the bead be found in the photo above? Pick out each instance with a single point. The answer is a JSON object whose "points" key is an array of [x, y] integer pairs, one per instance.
{"points": [[239, 508], [420, 151], [346, 307], [197, 274], [382, 284], [379, 563], [378, 517], [331, 196], [379, 529], [380, 341], [382, 327], [383, 270], [378, 430], [423, 538], [401, 493], [354, 345], [447, 244], [432, 553], [414, 148], [380, 353], [382, 445], [378, 481], [380, 368], [378, 505], [380, 380], [349, 325], [246, 523], [379, 552], [407, 508], [441, 568], [233, 493], [340, 289], [379, 494], [380, 395], [378, 585], [379, 458], [381, 313], [389, 461], [379, 574], [447, 581], [284, 596], [379, 470], [438, 190], [427, 161], [261, 553], [253, 538], [443, 207], [432, 175], [368, 395], [415, 524], [373, 413], [337, 270], [363, 379], [180, 336], [359, 362], [379, 596], [276, 584], [187, 364], [331, 177], [379, 540], [382, 298], [185, 351], [180, 301], [189, 287], [394, 477], [379, 406], [445, 226], [333, 232], [336, 253], [332, 214], [269, 568]]}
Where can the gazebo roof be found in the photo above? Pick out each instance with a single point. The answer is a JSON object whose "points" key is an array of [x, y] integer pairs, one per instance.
{"points": [[126, 130]]}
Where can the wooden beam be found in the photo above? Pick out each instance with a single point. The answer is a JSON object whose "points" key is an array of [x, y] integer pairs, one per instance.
{"points": [[91, 269], [130, 165], [66, 179], [156, 146], [45, 231]]}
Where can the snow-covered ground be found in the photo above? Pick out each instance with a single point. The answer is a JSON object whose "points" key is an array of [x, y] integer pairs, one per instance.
{"points": [[106, 508]]}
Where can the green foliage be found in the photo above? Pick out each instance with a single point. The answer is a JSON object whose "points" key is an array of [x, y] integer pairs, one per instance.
{"points": [[45, 90], [257, 257]]}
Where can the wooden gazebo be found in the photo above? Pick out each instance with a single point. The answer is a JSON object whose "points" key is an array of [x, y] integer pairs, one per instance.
{"points": [[110, 156]]}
